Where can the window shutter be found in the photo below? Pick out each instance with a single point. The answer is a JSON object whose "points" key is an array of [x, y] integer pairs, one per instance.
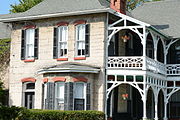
{"points": [[23, 44], [49, 102], [55, 45], [36, 43], [87, 41], [88, 96], [68, 96]]}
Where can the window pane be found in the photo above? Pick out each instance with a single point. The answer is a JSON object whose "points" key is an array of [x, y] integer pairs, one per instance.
{"points": [[30, 86], [30, 43], [62, 41], [80, 42], [60, 90], [79, 104], [79, 90], [30, 36]]}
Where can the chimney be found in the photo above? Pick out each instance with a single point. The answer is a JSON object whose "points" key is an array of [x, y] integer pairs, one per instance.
{"points": [[118, 5]]}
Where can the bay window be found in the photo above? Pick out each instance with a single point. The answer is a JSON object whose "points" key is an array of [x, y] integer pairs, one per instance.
{"points": [[67, 96]]}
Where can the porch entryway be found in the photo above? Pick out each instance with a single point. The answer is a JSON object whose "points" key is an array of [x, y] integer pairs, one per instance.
{"points": [[125, 103]]}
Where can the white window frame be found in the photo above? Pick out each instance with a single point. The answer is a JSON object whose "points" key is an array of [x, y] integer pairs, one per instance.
{"points": [[82, 41], [55, 100], [84, 97], [29, 43], [62, 41]]}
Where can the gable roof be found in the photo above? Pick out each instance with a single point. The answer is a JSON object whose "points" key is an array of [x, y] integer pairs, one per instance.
{"points": [[55, 8], [163, 15]]}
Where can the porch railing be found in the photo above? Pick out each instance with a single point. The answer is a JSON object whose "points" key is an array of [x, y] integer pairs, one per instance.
{"points": [[125, 62], [132, 62], [155, 66], [173, 69]]}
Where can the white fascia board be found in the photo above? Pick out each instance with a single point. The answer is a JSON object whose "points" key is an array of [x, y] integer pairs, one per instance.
{"points": [[54, 15], [128, 18], [63, 70]]}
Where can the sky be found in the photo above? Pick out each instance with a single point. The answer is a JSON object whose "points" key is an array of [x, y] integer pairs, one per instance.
{"points": [[5, 5]]}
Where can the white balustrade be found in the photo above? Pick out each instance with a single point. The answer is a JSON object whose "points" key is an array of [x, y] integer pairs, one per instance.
{"points": [[125, 62], [173, 69], [155, 66], [141, 63]]}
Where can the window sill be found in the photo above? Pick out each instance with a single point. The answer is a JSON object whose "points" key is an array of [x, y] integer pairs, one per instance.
{"points": [[29, 60], [62, 59], [80, 58]]}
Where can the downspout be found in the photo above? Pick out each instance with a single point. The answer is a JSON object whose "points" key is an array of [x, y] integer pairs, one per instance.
{"points": [[105, 65]]}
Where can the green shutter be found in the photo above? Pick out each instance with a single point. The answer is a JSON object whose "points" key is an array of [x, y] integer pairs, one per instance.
{"points": [[49, 103], [36, 43], [23, 44], [88, 96], [55, 45], [87, 41]]}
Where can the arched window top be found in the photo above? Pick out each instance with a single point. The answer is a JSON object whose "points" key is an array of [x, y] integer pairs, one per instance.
{"points": [[29, 79], [79, 22], [29, 27], [80, 79], [62, 24]]}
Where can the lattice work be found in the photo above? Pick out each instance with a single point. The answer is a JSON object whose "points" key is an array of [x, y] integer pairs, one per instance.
{"points": [[173, 69], [125, 62], [155, 66]]}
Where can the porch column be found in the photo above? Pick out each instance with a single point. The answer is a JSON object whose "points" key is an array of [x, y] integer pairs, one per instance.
{"points": [[144, 99], [144, 108], [144, 41], [165, 110], [156, 108]]}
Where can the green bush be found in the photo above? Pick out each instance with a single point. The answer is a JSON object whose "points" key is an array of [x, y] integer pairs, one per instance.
{"points": [[60, 115], [9, 113]]}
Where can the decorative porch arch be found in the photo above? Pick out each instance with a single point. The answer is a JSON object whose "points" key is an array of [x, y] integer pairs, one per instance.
{"points": [[135, 85]]}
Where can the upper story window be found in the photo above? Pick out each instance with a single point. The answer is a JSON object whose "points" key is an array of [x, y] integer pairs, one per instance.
{"points": [[82, 40], [29, 44], [60, 41]]}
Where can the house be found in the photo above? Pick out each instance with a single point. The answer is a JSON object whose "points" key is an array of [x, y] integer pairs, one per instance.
{"points": [[4, 68], [4, 34], [91, 55]]}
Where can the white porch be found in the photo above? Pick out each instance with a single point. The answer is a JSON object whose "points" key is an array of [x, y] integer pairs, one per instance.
{"points": [[158, 76]]}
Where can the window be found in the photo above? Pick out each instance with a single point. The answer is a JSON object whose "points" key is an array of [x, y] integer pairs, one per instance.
{"points": [[79, 97], [28, 95], [60, 42], [67, 96], [82, 40], [29, 45], [59, 96]]}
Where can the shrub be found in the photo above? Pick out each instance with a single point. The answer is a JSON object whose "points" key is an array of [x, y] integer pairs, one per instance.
{"points": [[9, 113], [60, 115]]}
